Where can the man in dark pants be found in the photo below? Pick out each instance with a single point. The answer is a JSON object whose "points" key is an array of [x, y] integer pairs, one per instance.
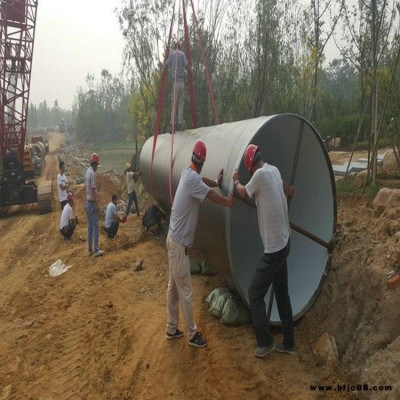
{"points": [[92, 207], [272, 211], [151, 221], [131, 178]]}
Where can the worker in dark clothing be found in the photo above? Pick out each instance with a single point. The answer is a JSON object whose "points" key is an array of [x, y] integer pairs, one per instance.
{"points": [[151, 221]]}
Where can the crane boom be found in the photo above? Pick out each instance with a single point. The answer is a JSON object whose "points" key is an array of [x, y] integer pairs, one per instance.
{"points": [[17, 35], [18, 20]]}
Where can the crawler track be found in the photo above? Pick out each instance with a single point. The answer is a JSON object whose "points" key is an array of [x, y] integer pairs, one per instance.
{"points": [[45, 197]]}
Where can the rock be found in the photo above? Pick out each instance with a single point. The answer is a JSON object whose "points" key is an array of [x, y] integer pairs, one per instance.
{"points": [[390, 161], [138, 265], [360, 178], [393, 282], [325, 350], [387, 197]]}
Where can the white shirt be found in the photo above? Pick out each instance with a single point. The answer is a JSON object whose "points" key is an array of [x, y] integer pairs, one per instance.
{"points": [[62, 194], [111, 212], [130, 183], [66, 215], [272, 210], [190, 193]]}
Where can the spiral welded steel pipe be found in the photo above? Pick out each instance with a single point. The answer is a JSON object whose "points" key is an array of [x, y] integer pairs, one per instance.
{"points": [[229, 238]]}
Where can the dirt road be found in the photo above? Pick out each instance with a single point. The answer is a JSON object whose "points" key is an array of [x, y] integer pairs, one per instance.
{"points": [[98, 330]]}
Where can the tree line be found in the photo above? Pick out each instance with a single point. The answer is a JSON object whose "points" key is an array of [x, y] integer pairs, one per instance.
{"points": [[42, 117], [264, 57]]}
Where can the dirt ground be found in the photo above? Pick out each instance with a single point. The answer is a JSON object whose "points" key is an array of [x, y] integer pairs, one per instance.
{"points": [[98, 330]]}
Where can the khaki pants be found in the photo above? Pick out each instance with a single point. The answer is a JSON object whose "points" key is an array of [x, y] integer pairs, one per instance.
{"points": [[178, 99], [179, 288]]}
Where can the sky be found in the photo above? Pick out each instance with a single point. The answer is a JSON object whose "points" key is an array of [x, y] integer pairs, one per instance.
{"points": [[73, 38]]}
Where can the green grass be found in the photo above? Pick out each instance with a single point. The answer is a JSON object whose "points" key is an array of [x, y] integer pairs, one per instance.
{"points": [[123, 144], [364, 146], [347, 187]]}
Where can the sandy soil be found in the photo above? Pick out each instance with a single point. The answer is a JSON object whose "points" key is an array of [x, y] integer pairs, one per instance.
{"points": [[98, 330]]}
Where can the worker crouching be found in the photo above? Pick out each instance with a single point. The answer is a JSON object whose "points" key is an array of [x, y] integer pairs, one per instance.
{"points": [[151, 221], [112, 220], [68, 220]]}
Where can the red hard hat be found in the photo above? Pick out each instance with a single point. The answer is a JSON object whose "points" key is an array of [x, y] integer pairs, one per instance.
{"points": [[94, 158], [200, 151], [249, 156], [70, 196]]}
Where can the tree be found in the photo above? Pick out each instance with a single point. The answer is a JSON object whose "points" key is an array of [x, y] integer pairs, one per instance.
{"points": [[256, 71], [339, 101], [102, 109], [264, 48], [317, 40], [33, 121], [145, 25], [368, 32]]}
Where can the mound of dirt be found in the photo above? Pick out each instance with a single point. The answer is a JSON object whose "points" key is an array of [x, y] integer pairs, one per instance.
{"points": [[356, 306]]}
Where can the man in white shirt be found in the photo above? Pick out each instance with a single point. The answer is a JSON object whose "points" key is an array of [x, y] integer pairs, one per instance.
{"points": [[112, 219], [62, 184], [68, 219], [270, 194]]}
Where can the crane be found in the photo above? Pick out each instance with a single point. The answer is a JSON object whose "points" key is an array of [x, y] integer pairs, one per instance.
{"points": [[17, 172]]}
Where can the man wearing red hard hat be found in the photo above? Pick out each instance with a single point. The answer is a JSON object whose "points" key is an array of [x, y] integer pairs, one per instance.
{"points": [[92, 207], [192, 190], [270, 194], [68, 220]]}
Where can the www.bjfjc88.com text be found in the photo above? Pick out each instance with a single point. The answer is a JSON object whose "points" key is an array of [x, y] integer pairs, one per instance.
{"points": [[351, 388]]}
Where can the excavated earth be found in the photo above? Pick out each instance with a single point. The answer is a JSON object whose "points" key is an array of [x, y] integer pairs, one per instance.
{"points": [[98, 330]]}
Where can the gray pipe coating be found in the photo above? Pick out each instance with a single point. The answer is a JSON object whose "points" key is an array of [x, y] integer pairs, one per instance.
{"points": [[229, 238]]}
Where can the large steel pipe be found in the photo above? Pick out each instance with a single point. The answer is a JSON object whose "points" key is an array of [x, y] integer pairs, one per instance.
{"points": [[230, 237]]}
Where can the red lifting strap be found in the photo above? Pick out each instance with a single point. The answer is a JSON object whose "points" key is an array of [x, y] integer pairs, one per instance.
{"points": [[191, 93], [160, 103], [171, 161], [190, 77]]}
